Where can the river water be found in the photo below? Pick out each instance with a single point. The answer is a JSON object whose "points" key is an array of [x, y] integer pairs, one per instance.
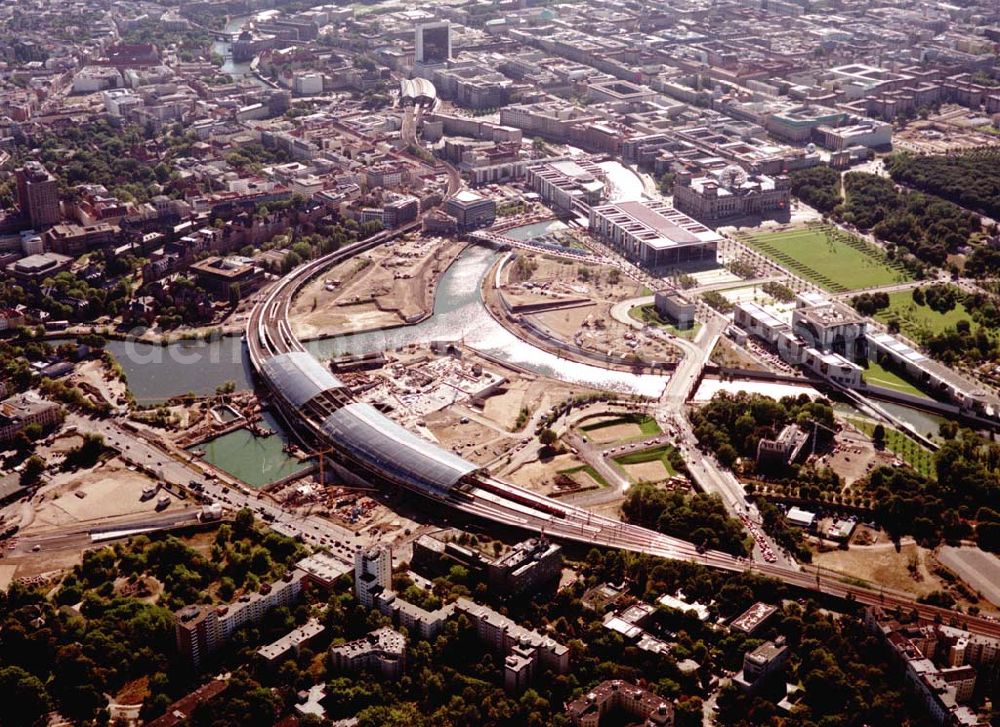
{"points": [[459, 315], [156, 373], [224, 49], [257, 461]]}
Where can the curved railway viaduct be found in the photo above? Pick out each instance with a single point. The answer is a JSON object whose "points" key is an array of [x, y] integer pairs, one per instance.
{"points": [[366, 443]]}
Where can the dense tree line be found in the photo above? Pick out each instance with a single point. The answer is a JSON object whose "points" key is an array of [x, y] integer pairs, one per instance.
{"points": [[699, 518], [971, 179], [927, 227], [732, 425], [844, 672], [868, 304], [818, 187], [961, 344], [98, 631], [965, 492]]}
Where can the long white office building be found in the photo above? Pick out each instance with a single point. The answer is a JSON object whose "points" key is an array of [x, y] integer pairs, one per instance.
{"points": [[653, 233]]}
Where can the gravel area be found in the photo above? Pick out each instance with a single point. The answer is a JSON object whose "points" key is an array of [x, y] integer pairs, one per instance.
{"points": [[979, 569]]}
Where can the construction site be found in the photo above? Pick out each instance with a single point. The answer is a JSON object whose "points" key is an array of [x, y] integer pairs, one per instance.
{"points": [[387, 286], [561, 304]]}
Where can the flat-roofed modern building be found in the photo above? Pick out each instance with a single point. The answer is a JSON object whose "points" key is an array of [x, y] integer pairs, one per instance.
{"points": [[528, 565], [503, 634], [829, 325], [676, 306], [382, 651], [564, 183], [38, 195], [471, 210], [433, 43], [35, 268], [372, 573], [760, 665], [653, 233], [201, 630], [291, 642]]}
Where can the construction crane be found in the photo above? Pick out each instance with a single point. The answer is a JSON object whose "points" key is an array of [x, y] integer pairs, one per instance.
{"points": [[817, 425], [321, 453]]}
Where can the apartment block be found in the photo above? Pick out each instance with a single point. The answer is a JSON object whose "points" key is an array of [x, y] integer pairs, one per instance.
{"points": [[619, 699], [202, 630], [383, 651]]}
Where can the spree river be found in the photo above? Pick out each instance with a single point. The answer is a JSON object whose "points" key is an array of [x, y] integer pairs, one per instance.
{"points": [[459, 315], [156, 373]]}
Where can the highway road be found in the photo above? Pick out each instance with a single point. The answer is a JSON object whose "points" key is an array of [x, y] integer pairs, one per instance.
{"points": [[137, 449], [703, 469]]}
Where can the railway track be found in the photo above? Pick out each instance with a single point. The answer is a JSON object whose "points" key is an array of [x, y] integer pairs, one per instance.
{"points": [[268, 335]]}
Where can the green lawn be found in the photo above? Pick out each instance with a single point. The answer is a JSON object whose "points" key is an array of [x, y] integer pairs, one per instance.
{"points": [[877, 375], [828, 257], [587, 469], [920, 321], [647, 425], [661, 453], [918, 457], [648, 314]]}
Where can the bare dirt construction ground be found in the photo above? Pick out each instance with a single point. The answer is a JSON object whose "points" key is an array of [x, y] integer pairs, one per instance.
{"points": [[542, 279], [59, 446], [726, 353], [538, 475], [646, 471], [504, 408], [907, 570], [954, 128], [521, 391], [472, 440], [612, 433], [853, 456], [92, 377], [109, 490], [388, 286]]}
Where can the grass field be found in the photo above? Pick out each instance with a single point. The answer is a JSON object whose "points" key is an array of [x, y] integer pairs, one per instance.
{"points": [[647, 425], [648, 314], [876, 375], [919, 458], [828, 257], [657, 454], [920, 321]]}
